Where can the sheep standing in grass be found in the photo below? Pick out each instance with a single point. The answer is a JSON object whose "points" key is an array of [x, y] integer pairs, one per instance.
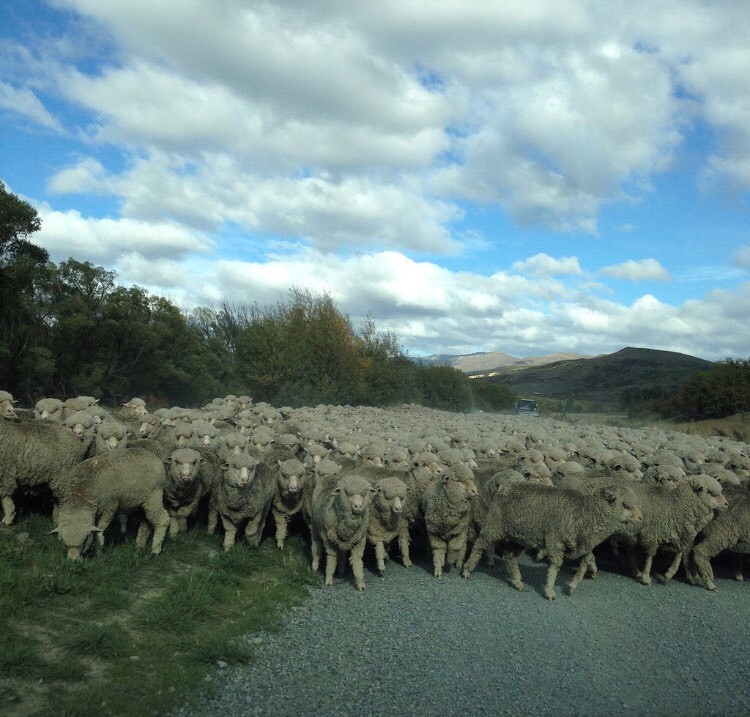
{"points": [[36, 453], [565, 523], [244, 495], [729, 530], [291, 477], [446, 505], [187, 483], [99, 487], [339, 517], [388, 520]]}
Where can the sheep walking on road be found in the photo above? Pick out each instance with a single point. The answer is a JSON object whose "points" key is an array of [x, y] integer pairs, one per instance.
{"points": [[565, 523], [339, 517]]}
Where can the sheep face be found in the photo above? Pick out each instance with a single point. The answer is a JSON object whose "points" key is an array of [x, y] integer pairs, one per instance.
{"points": [[239, 470], [291, 476], [111, 436], [184, 465], [354, 494], [81, 424], [391, 495], [183, 434], [459, 485], [149, 426], [709, 491], [48, 409], [624, 503], [77, 534]]}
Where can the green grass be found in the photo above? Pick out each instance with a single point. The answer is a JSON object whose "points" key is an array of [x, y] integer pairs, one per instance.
{"points": [[127, 633]]}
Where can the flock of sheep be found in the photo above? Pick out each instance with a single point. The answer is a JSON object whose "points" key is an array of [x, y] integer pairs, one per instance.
{"points": [[468, 485]]}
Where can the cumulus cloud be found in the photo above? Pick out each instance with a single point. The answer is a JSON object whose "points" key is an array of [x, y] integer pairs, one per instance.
{"points": [[66, 234], [545, 264], [643, 270]]}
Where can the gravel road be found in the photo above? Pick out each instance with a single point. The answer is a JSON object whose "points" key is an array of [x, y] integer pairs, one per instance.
{"points": [[414, 645]]}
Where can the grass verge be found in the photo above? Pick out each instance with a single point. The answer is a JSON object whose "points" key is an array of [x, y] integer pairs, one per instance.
{"points": [[126, 633]]}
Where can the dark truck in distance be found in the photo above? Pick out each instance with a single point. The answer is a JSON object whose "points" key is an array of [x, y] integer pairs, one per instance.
{"points": [[527, 407]]}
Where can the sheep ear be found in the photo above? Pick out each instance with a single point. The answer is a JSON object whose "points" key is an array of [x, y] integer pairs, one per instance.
{"points": [[278, 460], [336, 491], [446, 478], [168, 461], [54, 530], [375, 491], [94, 529], [224, 466]]}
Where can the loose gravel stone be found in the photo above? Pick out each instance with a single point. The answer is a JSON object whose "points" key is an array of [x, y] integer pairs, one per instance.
{"points": [[415, 645]]}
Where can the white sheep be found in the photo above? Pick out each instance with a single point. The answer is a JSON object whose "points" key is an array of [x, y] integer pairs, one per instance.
{"points": [[564, 523], [388, 520], [244, 495], [339, 516], [446, 505], [99, 487]]}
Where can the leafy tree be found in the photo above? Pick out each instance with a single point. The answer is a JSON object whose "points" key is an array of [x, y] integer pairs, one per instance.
{"points": [[491, 396], [23, 270], [446, 388]]}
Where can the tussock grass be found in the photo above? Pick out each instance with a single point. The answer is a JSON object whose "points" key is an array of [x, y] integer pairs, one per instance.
{"points": [[124, 632]]}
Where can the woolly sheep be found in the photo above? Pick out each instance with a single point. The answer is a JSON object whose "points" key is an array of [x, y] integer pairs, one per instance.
{"points": [[564, 523], [729, 530], [339, 516], [187, 483], [101, 486], [446, 505], [289, 490], [205, 435], [110, 436], [6, 406], [388, 520], [36, 453], [48, 409], [81, 424], [244, 495]]}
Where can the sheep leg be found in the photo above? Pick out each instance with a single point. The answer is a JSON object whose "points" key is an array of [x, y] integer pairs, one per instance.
{"points": [[583, 565], [213, 515], [315, 550], [253, 530], [230, 533], [122, 517], [474, 557], [491, 556], [9, 509], [438, 556], [355, 560], [591, 569], [105, 518], [144, 530], [380, 556], [645, 577], [554, 567], [702, 555], [403, 544], [672, 569], [457, 551], [157, 515], [511, 567], [281, 528], [174, 526], [332, 558]]}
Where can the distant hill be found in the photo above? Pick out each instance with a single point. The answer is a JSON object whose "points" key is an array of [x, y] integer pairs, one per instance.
{"points": [[487, 361], [601, 379]]}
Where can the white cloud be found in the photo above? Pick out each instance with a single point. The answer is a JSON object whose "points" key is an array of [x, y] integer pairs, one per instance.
{"points": [[545, 264], [741, 258], [25, 103], [643, 270], [66, 234]]}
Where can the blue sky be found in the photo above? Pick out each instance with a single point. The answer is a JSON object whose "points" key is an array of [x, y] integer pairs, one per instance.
{"points": [[529, 176]]}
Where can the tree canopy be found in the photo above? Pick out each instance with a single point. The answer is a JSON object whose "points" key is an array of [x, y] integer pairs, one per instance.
{"points": [[69, 329]]}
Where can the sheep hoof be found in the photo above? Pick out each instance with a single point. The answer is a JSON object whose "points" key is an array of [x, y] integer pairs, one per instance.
{"points": [[712, 588], [552, 597], [280, 546], [518, 586], [571, 588], [361, 587], [739, 578], [408, 563], [662, 578], [645, 580], [465, 574]]}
